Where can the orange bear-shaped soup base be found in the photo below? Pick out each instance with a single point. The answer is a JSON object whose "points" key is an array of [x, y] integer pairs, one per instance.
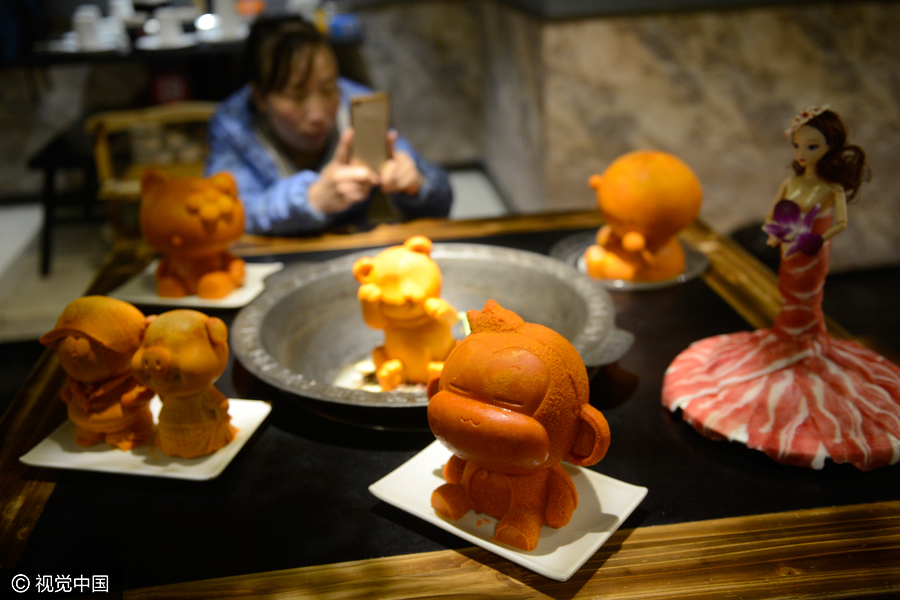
{"points": [[646, 198], [400, 293], [95, 338], [511, 403], [191, 221], [182, 355]]}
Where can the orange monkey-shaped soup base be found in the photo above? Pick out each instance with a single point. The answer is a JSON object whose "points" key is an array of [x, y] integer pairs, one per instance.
{"points": [[191, 221], [95, 338], [400, 293], [182, 355], [511, 403], [646, 198]]}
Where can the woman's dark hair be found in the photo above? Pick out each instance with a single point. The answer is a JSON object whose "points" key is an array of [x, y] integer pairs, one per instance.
{"points": [[276, 46], [844, 164]]}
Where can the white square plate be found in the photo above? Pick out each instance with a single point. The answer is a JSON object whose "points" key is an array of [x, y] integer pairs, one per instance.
{"points": [[59, 450], [142, 289], [603, 504]]}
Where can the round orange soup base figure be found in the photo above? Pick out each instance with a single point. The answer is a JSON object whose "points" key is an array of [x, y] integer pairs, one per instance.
{"points": [[95, 338], [511, 403], [192, 221], [400, 294], [646, 198]]}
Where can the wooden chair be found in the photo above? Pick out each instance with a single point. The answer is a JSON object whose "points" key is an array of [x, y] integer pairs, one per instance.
{"points": [[170, 137]]}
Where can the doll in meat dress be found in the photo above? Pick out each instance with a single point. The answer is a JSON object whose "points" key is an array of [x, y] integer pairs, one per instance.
{"points": [[792, 391]]}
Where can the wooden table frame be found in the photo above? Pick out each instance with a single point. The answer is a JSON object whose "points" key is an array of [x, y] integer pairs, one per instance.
{"points": [[839, 552]]}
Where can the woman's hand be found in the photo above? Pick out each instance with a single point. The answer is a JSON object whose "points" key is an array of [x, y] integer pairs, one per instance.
{"points": [[399, 173], [342, 184]]}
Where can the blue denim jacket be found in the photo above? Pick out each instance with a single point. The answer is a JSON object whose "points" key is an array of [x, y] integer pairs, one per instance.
{"points": [[276, 205]]}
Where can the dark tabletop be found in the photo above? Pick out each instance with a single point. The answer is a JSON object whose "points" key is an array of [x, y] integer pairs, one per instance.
{"points": [[297, 494]]}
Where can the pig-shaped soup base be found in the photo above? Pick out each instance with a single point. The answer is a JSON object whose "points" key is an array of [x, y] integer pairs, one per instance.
{"points": [[511, 403], [183, 353], [400, 294], [192, 221]]}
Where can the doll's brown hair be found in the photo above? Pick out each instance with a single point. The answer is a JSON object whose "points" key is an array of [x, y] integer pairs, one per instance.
{"points": [[844, 164], [275, 47]]}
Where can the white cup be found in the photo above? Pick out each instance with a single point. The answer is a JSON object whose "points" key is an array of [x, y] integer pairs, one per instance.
{"points": [[229, 21], [86, 24], [170, 28], [122, 10]]}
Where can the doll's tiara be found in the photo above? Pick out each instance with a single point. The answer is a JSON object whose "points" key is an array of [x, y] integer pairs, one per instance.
{"points": [[804, 116]]}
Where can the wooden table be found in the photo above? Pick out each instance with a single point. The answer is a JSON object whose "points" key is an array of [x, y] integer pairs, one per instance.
{"points": [[832, 552]]}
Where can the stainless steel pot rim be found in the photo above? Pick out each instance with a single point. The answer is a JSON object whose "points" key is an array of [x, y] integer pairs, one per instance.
{"points": [[599, 341]]}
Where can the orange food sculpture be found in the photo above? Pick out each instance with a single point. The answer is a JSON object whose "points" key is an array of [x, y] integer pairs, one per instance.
{"points": [[400, 293], [511, 403], [183, 353], [191, 221], [95, 338], [646, 198]]}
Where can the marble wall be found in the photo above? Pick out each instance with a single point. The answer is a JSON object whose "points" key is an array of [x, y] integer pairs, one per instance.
{"points": [[37, 104], [543, 104], [428, 55]]}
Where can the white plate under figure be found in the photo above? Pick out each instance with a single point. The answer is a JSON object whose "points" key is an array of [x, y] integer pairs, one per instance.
{"points": [[59, 450], [570, 250], [142, 289], [603, 505]]}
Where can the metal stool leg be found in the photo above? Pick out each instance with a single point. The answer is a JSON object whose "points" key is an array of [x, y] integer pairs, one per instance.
{"points": [[48, 199]]}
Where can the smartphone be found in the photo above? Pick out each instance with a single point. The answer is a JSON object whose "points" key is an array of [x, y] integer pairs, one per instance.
{"points": [[370, 117]]}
